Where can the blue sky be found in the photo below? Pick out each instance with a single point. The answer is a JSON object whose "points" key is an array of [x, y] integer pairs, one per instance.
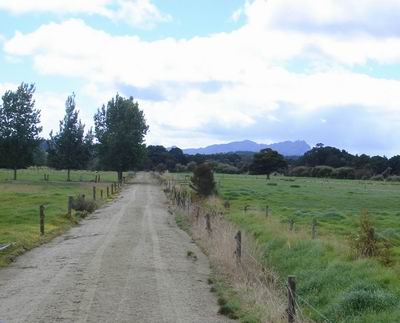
{"points": [[215, 71]]}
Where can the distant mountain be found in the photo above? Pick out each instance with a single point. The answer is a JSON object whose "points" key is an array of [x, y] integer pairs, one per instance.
{"points": [[286, 148]]}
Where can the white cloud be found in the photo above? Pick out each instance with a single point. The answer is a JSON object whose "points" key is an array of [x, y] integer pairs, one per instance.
{"points": [[236, 82], [138, 13], [236, 15]]}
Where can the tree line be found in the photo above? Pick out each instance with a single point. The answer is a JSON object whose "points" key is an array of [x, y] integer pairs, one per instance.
{"points": [[117, 142]]}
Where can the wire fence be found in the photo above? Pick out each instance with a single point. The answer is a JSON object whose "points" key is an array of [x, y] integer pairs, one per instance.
{"points": [[182, 199]]}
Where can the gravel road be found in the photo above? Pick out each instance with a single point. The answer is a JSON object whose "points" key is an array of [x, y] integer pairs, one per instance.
{"points": [[126, 263]]}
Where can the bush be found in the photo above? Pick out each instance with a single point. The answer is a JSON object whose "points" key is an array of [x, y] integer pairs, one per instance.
{"points": [[203, 180], [363, 173], [393, 178], [226, 169], [191, 166], [301, 171], [180, 168], [344, 173], [379, 178], [322, 171], [80, 203]]}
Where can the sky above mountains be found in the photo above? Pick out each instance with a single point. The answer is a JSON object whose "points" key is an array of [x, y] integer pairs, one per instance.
{"points": [[208, 71]]}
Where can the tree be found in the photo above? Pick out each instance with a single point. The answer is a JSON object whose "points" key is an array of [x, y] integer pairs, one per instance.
{"points": [[267, 161], [203, 180], [120, 129], [70, 148], [19, 128]]}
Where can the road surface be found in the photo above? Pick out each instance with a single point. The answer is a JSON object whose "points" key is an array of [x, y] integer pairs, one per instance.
{"points": [[126, 263]]}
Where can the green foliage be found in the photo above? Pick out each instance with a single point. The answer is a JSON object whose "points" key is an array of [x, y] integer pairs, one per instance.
{"points": [[69, 148], [120, 129], [267, 161], [202, 180], [80, 203], [19, 128]]}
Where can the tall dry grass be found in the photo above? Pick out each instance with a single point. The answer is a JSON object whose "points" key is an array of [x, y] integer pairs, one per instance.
{"points": [[259, 288]]}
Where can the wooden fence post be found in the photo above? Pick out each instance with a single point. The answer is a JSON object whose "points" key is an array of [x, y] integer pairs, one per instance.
{"points": [[41, 215], [238, 251], [108, 192], [70, 200], [208, 223], [291, 311], [94, 193], [314, 229], [291, 224], [101, 194]]}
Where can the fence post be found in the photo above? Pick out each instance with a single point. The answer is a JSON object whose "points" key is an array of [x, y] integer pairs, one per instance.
{"points": [[99, 180], [291, 299], [41, 215], [208, 223], [238, 251], [314, 228], [101, 194], [291, 224], [108, 192], [94, 193], [70, 199]]}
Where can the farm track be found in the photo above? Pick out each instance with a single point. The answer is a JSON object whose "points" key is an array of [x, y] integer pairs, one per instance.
{"points": [[125, 263]]}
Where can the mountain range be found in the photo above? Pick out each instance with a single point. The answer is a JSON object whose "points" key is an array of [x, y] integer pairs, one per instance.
{"points": [[286, 148]]}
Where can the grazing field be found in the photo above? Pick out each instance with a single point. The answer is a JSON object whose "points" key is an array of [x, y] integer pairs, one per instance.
{"points": [[334, 285], [20, 201]]}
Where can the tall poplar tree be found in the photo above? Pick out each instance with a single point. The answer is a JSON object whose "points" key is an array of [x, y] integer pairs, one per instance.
{"points": [[70, 148], [19, 128], [120, 129]]}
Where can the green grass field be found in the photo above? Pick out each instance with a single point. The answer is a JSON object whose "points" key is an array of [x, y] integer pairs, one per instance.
{"points": [[20, 201], [333, 284]]}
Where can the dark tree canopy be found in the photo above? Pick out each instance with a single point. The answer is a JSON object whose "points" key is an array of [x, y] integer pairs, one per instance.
{"points": [[19, 128], [203, 180], [70, 148], [267, 161], [120, 129]]}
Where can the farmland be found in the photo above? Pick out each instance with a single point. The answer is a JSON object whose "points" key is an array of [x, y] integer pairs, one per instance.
{"points": [[20, 201], [333, 284]]}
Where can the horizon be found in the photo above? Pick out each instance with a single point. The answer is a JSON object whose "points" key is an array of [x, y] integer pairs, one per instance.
{"points": [[329, 72]]}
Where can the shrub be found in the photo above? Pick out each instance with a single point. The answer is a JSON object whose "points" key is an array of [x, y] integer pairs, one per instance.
{"points": [[393, 178], [379, 178], [344, 173], [161, 168], [301, 171], [203, 180], [226, 169], [191, 166], [180, 168], [322, 171], [80, 203], [363, 173]]}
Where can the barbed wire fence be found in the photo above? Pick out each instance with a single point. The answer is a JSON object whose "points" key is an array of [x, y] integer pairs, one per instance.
{"points": [[207, 217]]}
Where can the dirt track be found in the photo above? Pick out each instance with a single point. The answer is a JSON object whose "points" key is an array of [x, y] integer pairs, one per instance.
{"points": [[126, 263]]}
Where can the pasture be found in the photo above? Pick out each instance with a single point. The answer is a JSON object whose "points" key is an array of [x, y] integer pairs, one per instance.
{"points": [[20, 201], [334, 285]]}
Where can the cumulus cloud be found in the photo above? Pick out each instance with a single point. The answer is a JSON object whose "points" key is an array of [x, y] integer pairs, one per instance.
{"points": [[204, 89], [138, 13]]}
